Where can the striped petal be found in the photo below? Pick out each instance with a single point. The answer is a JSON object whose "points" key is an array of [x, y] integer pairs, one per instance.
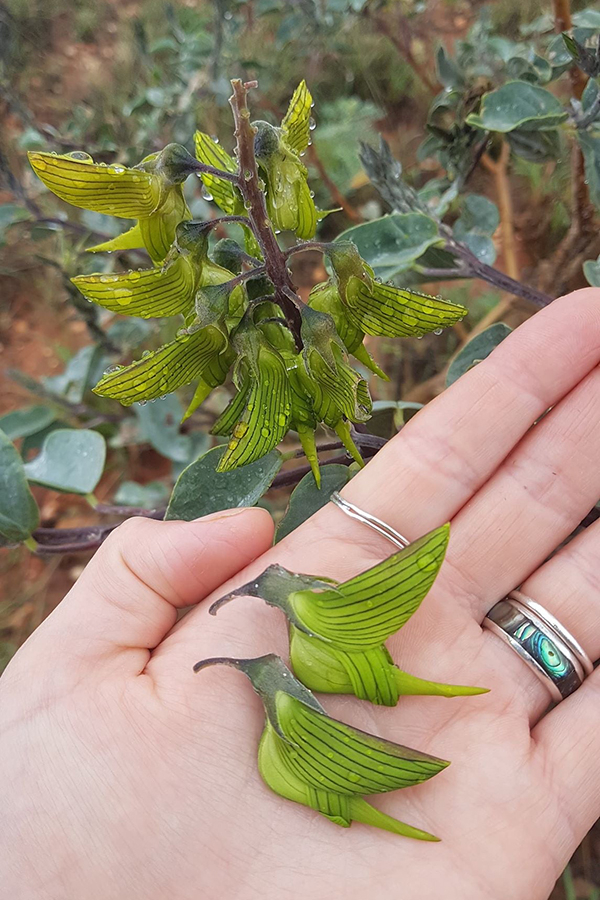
{"points": [[266, 415], [223, 192], [296, 123], [364, 611], [146, 293], [332, 756], [128, 240], [113, 190], [163, 370], [158, 230], [388, 311]]}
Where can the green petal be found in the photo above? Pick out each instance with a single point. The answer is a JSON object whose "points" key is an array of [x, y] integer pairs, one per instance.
{"points": [[200, 394], [363, 356], [232, 412], [158, 230], [388, 311], [307, 212], [342, 429], [223, 192], [366, 610], [309, 445], [335, 395], [266, 416], [163, 370], [333, 756], [369, 674], [114, 190], [296, 123], [129, 240], [146, 293]]}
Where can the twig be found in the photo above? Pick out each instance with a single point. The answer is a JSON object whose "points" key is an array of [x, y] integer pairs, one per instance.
{"points": [[254, 201], [401, 39]]}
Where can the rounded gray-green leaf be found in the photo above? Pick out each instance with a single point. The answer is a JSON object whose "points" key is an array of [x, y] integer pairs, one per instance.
{"points": [[27, 421], [518, 103], [391, 244], [307, 498], [477, 349], [201, 490], [71, 460], [19, 515]]}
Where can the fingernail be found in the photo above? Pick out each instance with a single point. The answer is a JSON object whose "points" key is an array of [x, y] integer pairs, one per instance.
{"points": [[223, 514]]}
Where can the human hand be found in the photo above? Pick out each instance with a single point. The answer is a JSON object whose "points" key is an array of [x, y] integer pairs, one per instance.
{"points": [[126, 776]]}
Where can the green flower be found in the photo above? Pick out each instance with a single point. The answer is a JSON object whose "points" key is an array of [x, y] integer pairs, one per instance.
{"points": [[258, 417], [165, 291], [337, 631], [337, 393], [360, 304], [306, 756], [150, 192]]}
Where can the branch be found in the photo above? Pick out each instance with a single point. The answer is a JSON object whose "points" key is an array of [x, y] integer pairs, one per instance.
{"points": [[254, 201], [336, 195]]}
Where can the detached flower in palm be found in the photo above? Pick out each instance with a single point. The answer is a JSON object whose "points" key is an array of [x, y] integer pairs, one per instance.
{"points": [[150, 192], [306, 756], [337, 631]]}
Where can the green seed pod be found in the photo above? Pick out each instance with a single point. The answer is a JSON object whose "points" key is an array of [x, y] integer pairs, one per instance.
{"points": [[149, 192], [306, 756], [338, 631]]}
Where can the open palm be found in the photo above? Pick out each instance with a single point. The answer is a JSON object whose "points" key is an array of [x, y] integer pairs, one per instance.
{"points": [[124, 775]]}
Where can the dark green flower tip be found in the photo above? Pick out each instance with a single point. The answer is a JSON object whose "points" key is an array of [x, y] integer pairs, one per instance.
{"points": [[174, 163], [266, 141], [212, 305], [319, 334], [275, 586], [346, 262], [192, 238], [228, 254]]}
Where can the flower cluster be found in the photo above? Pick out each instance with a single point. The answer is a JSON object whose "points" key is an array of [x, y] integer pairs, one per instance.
{"points": [[231, 311]]}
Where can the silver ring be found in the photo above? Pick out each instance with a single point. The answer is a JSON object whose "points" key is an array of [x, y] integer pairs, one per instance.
{"points": [[355, 512], [550, 651]]}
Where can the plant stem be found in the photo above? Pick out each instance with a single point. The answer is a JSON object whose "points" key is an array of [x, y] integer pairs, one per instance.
{"points": [[254, 201], [336, 195]]}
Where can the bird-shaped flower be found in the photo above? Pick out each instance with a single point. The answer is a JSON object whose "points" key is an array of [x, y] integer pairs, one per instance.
{"points": [[337, 631], [258, 417], [360, 304], [308, 757], [150, 192]]}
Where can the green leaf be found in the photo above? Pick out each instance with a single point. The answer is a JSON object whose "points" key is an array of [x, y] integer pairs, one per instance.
{"points": [[79, 374], [71, 460], [590, 146], [591, 270], [147, 496], [448, 72], [11, 214], [477, 214], [477, 349], [26, 421], [535, 146], [159, 424], [391, 244], [19, 514], [518, 104], [201, 490], [306, 499]]}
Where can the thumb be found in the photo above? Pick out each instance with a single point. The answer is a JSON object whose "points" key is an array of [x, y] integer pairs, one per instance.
{"points": [[128, 596]]}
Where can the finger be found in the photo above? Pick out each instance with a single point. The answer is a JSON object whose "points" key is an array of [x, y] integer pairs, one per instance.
{"points": [[568, 739], [532, 503], [128, 596]]}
